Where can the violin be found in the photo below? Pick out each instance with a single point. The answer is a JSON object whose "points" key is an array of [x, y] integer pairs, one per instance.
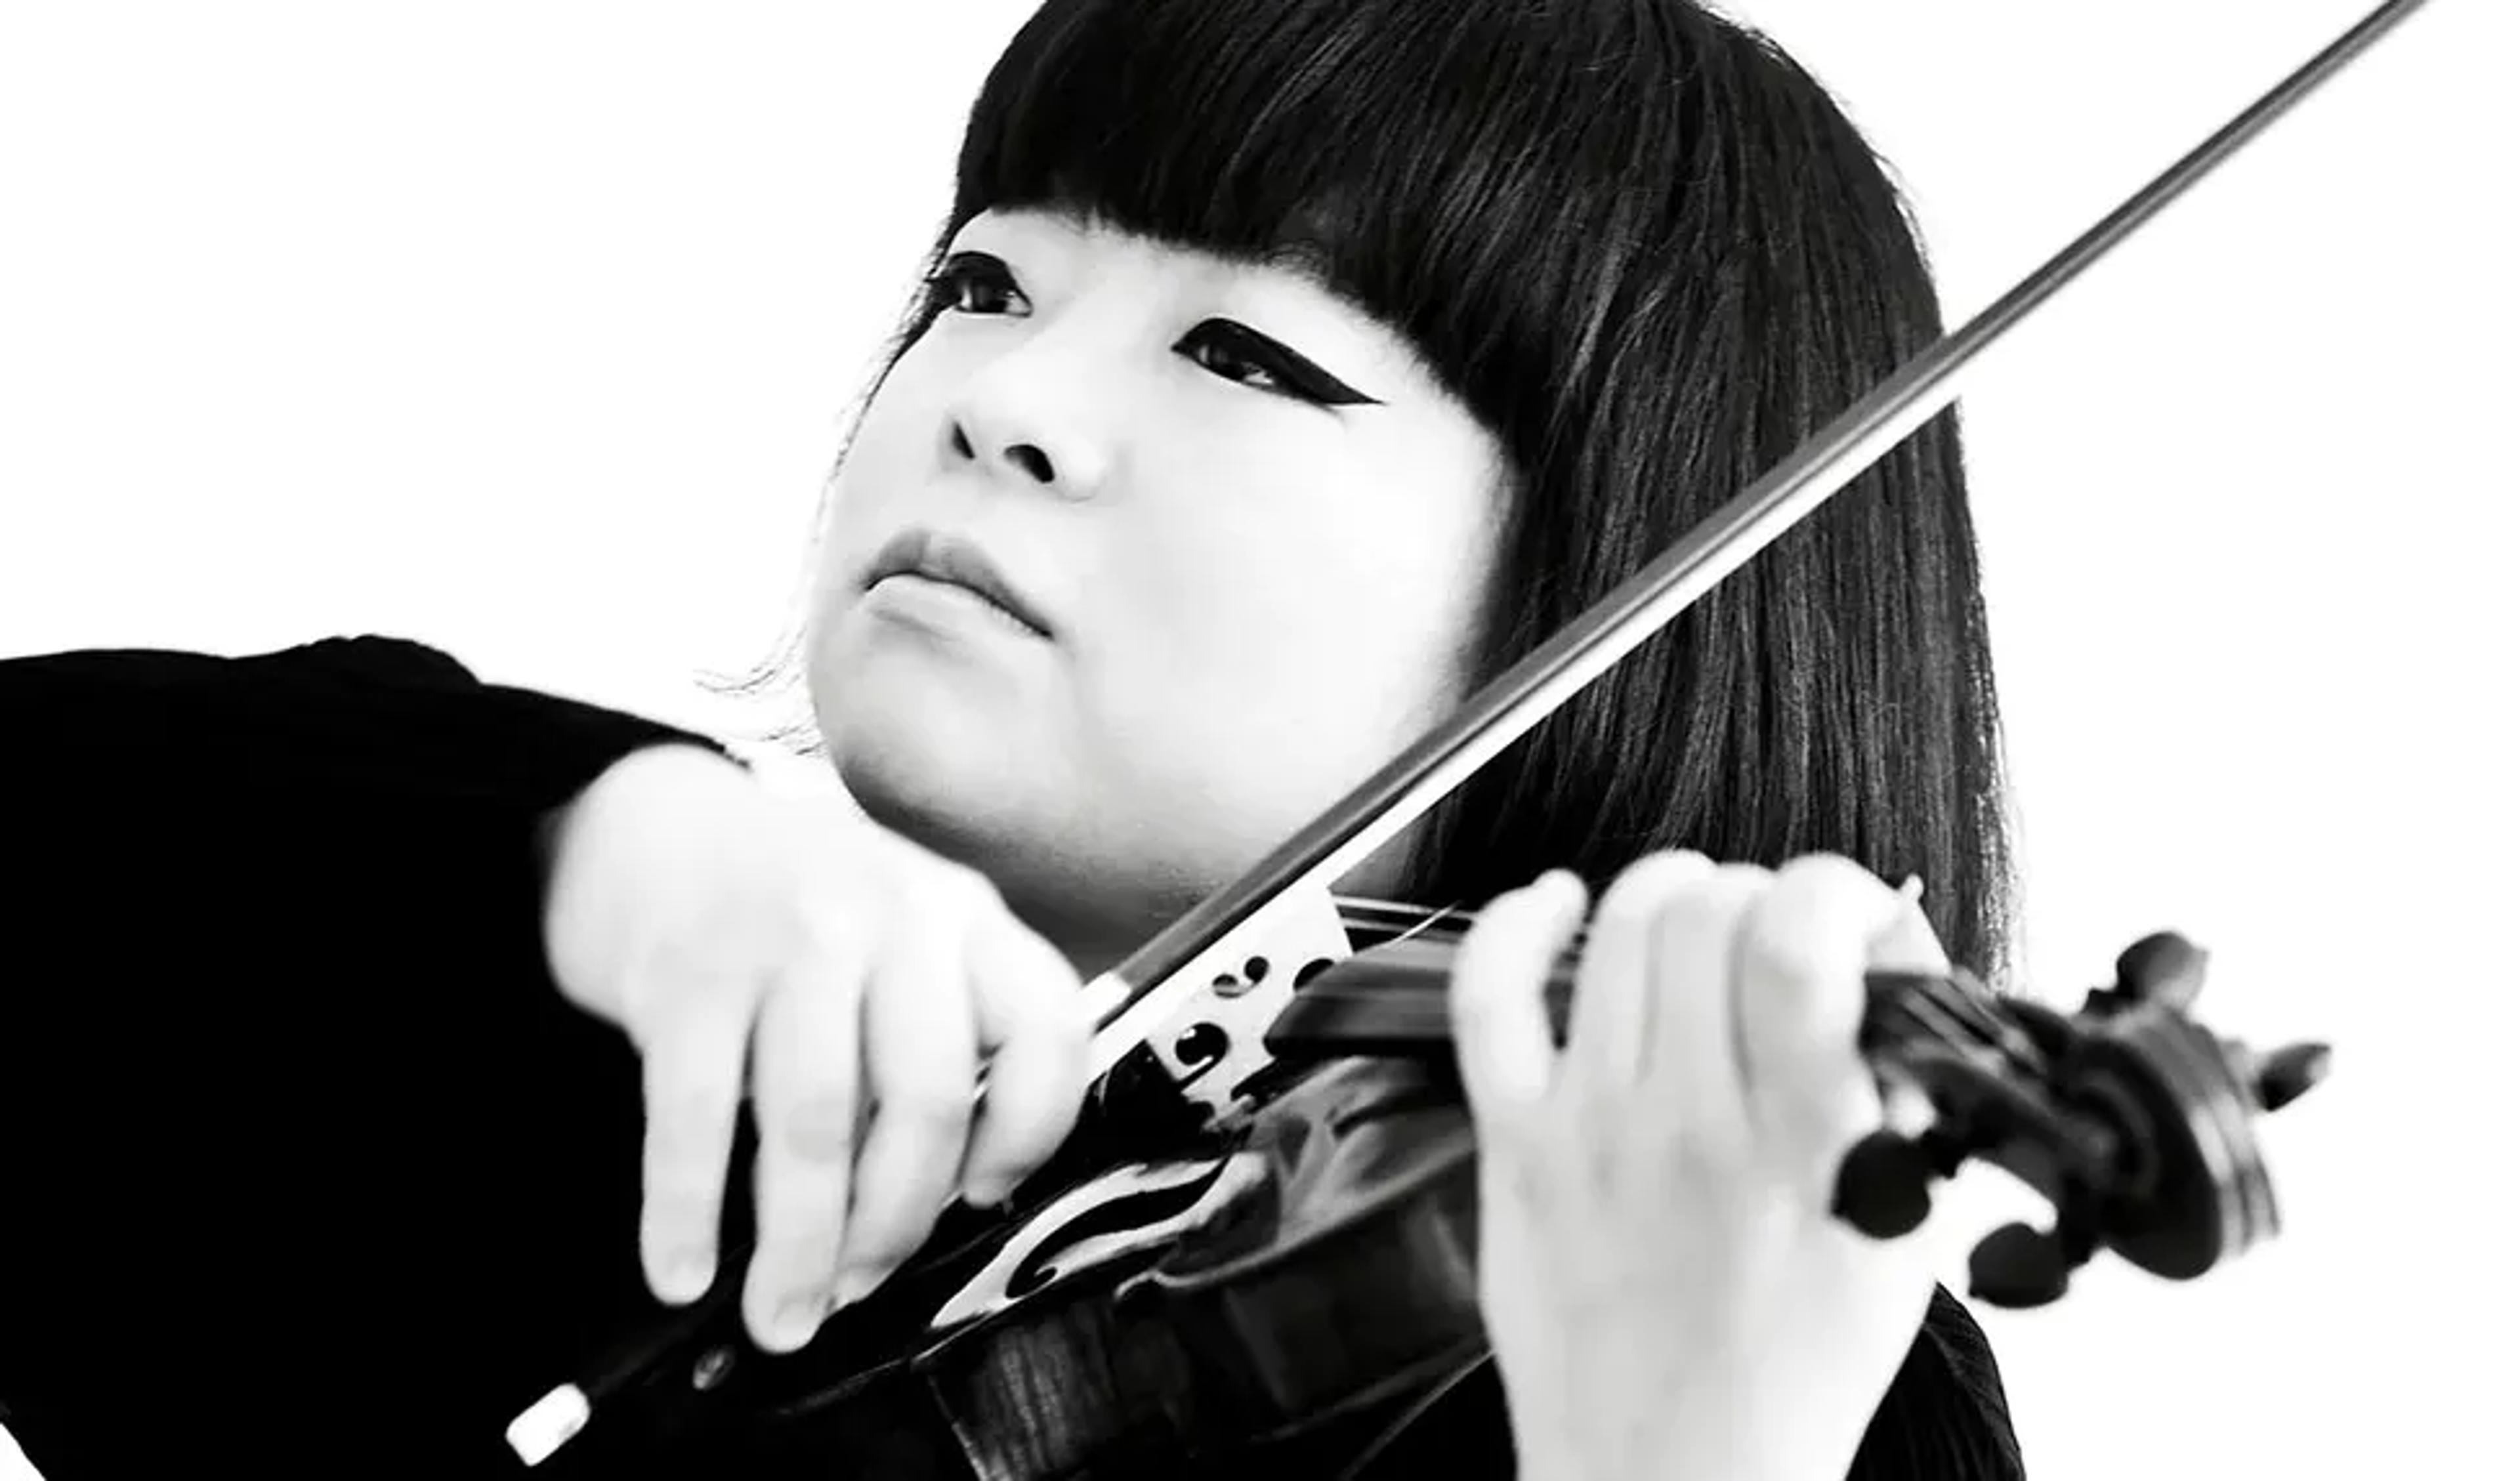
{"points": [[1285, 1280], [1257, 1254]]}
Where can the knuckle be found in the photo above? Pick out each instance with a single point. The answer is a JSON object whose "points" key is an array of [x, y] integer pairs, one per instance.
{"points": [[679, 1216], [1811, 880], [821, 1129], [926, 1106], [1721, 893], [1823, 866], [1511, 916], [1641, 890], [1802, 920], [1687, 863], [1774, 926], [704, 954], [835, 937], [1502, 930], [685, 1126]]}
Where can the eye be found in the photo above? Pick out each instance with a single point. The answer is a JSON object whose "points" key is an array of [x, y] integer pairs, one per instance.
{"points": [[1247, 357], [974, 283]]}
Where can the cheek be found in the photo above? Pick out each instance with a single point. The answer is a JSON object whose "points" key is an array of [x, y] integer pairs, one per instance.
{"points": [[889, 452], [1307, 626]]}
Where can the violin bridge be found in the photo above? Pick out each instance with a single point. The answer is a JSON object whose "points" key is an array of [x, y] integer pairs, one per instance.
{"points": [[1232, 992]]}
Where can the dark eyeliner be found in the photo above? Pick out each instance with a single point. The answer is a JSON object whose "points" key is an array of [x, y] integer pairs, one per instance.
{"points": [[964, 269], [1298, 373]]}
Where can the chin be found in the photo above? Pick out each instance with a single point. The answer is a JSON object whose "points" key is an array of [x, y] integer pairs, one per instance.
{"points": [[939, 795]]}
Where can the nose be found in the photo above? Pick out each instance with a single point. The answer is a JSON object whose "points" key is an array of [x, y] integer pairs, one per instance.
{"points": [[1019, 421], [1027, 458]]}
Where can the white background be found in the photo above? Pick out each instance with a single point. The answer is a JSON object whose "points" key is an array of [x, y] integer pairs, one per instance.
{"points": [[530, 330]]}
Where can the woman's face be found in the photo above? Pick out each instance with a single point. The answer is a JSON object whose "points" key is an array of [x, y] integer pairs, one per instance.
{"points": [[1246, 534]]}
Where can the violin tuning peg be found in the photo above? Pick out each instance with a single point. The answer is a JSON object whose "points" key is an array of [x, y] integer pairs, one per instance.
{"points": [[2164, 967], [1886, 1186], [2288, 1073], [2018, 1267]]}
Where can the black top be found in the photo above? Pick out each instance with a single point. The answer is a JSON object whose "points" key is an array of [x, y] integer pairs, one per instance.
{"points": [[306, 1164]]}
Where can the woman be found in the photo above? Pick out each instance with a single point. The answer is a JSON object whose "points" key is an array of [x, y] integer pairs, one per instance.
{"points": [[1287, 369]]}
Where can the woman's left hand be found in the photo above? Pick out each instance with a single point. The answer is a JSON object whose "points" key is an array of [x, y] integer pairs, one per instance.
{"points": [[1664, 1286]]}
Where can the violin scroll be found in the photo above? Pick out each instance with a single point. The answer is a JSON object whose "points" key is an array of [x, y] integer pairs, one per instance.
{"points": [[2134, 1122]]}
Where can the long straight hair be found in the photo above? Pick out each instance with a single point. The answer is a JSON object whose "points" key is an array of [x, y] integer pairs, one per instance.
{"points": [[1651, 255]]}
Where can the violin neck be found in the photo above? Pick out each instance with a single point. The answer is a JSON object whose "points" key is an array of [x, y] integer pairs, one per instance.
{"points": [[1392, 1000]]}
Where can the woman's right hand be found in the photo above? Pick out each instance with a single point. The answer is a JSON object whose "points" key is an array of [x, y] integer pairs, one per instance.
{"points": [[867, 979]]}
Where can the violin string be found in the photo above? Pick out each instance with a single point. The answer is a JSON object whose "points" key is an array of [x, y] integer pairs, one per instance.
{"points": [[1427, 923], [2005, 1039], [1925, 1018], [1932, 1008], [1363, 911]]}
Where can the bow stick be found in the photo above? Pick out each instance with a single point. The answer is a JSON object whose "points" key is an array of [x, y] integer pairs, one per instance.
{"points": [[1152, 986]]}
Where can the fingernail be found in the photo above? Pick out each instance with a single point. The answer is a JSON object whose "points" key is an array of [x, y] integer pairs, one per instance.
{"points": [[1907, 1109], [798, 1322], [985, 1192], [687, 1278], [854, 1284]]}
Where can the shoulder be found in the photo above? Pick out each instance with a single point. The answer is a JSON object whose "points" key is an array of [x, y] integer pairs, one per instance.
{"points": [[369, 655]]}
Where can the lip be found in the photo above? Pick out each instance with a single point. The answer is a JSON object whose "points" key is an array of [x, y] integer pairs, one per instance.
{"points": [[956, 562]]}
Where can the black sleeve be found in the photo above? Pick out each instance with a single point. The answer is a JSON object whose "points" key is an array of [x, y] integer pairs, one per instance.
{"points": [[305, 1166], [1946, 1415]]}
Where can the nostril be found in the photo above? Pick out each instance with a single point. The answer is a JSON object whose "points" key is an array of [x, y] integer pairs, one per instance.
{"points": [[961, 443], [1031, 460]]}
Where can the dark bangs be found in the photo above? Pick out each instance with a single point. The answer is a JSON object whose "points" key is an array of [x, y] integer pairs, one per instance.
{"points": [[1653, 256], [1445, 166]]}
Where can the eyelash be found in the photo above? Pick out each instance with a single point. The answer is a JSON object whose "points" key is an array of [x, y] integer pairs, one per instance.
{"points": [[947, 293]]}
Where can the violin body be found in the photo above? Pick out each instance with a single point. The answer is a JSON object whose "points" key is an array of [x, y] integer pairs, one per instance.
{"points": [[1267, 1308]]}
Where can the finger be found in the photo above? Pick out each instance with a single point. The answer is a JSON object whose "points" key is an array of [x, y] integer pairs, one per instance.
{"points": [[1501, 1031], [1614, 988], [922, 1071], [1907, 942], [1030, 1019], [806, 1089], [692, 1065], [1805, 946], [1693, 1055], [1905, 1108]]}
